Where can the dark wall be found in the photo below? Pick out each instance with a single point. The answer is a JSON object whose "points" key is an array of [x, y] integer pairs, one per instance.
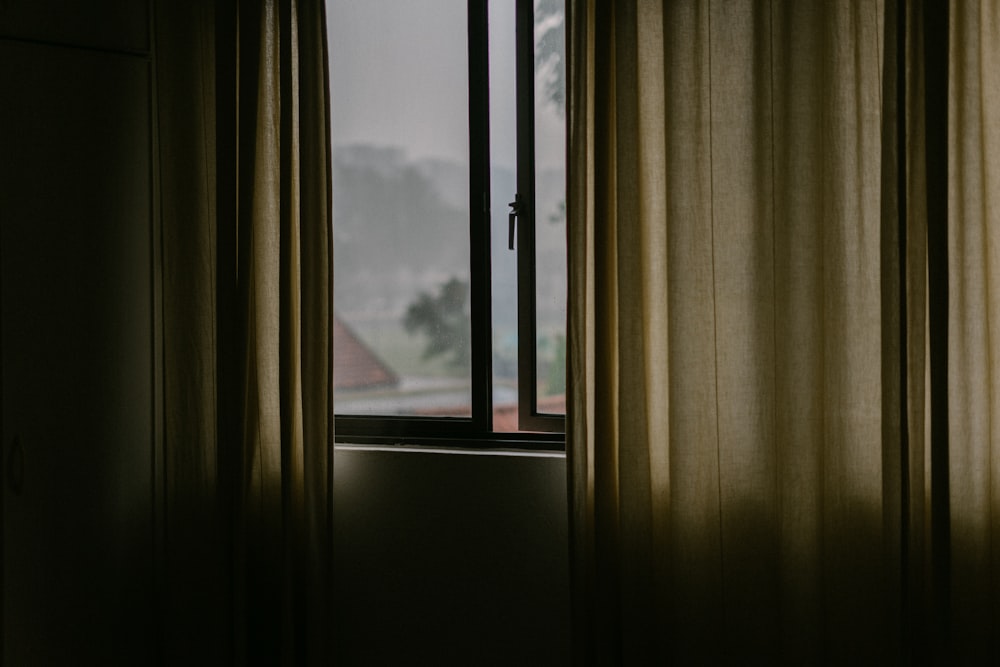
{"points": [[116, 25], [450, 558], [77, 384]]}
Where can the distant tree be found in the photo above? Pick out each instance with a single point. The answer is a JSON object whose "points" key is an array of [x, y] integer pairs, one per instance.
{"points": [[558, 216], [444, 320], [550, 65], [392, 216], [550, 50]]}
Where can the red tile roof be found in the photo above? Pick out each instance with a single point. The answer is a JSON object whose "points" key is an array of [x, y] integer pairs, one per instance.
{"points": [[355, 365], [504, 416]]}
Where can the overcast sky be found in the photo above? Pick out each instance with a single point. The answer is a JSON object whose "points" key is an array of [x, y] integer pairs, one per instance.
{"points": [[399, 76]]}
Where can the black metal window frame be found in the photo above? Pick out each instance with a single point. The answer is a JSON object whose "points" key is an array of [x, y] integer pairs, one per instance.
{"points": [[477, 431]]}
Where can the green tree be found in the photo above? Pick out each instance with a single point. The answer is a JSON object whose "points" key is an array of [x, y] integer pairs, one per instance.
{"points": [[444, 320]]}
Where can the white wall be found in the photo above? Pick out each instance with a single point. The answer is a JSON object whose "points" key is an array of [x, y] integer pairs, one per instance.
{"points": [[450, 558]]}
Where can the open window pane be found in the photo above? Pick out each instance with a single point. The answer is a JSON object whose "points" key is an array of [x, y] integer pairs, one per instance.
{"points": [[550, 205], [542, 184], [503, 185], [400, 130]]}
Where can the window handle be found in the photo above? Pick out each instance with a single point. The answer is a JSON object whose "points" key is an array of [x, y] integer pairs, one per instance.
{"points": [[515, 210]]}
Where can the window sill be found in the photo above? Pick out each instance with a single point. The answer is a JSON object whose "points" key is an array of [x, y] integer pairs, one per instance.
{"points": [[503, 444]]}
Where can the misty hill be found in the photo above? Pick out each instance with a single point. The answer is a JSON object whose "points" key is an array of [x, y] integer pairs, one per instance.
{"points": [[400, 226]]}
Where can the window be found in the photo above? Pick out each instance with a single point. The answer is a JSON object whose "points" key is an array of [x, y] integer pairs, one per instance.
{"points": [[450, 302]]}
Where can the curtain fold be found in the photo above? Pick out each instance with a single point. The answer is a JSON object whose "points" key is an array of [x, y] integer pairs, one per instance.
{"points": [[245, 206], [194, 586], [750, 438], [770, 264], [973, 320], [283, 284]]}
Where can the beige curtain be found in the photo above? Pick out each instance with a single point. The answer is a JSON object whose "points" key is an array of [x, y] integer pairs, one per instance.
{"points": [[974, 327], [247, 290], [192, 539], [749, 437]]}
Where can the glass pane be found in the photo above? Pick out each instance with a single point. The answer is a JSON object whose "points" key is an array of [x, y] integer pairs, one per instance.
{"points": [[550, 204], [503, 156], [399, 125]]}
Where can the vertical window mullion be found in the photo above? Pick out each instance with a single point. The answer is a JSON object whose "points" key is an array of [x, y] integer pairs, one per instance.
{"points": [[479, 218]]}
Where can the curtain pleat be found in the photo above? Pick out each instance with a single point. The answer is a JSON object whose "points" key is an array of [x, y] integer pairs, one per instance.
{"points": [[784, 262], [726, 278], [245, 206], [282, 542], [974, 317], [193, 589]]}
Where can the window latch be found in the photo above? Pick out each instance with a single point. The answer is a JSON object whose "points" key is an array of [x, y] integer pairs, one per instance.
{"points": [[515, 210]]}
